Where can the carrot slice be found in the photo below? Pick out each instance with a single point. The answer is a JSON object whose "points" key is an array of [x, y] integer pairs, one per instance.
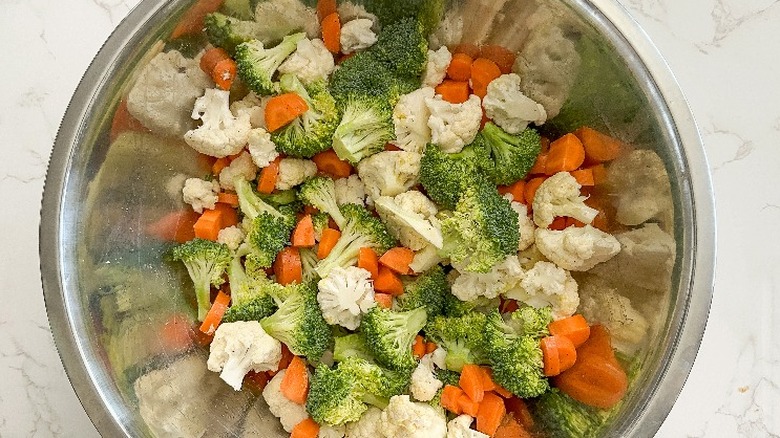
{"points": [[574, 327], [368, 260], [504, 58], [124, 121], [331, 32], [468, 406], [449, 399], [584, 177], [599, 147], [208, 225], [460, 67], [599, 343], [330, 164], [216, 63], [284, 362], [530, 189], [256, 382], [453, 91], [398, 259], [384, 301], [518, 409], [387, 282], [266, 184], [230, 199], [483, 72], [288, 267], [470, 382], [566, 154], [192, 20], [295, 384], [487, 379], [472, 50], [491, 412], [511, 428], [307, 428], [517, 190], [430, 347], [539, 165], [214, 316], [178, 226], [303, 235], [559, 354], [325, 8], [599, 174], [283, 109], [328, 240], [219, 165], [229, 215], [418, 348], [594, 381]]}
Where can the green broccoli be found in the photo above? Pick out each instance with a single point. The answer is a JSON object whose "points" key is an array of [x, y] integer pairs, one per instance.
{"points": [[530, 321], [311, 133], [482, 231], [560, 416], [462, 337], [428, 290], [299, 323], [228, 32], [390, 334], [206, 261], [257, 65], [309, 262], [360, 230], [351, 345], [445, 176], [280, 198], [267, 236], [321, 221], [428, 12], [320, 193], [447, 377], [250, 299], [402, 48], [253, 206], [241, 9], [453, 306], [513, 155]]}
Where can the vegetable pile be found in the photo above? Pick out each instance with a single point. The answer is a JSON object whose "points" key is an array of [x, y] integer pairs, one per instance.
{"points": [[387, 243]]}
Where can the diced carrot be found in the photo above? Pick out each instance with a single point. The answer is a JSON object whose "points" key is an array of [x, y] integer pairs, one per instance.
{"points": [[460, 68], [328, 240], [511, 428], [295, 384], [256, 382], [571, 222], [491, 412], [504, 58], [594, 381], [599, 147], [368, 260], [398, 259], [530, 189], [539, 165], [559, 354], [518, 409], [229, 214], [566, 154], [418, 348], [453, 91], [487, 379], [449, 399], [483, 72], [219, 165], [214, 316], [208, 225], [192, 20], [330, 164], [599, 174], [599, 343], [230, 199], [470, 382], [308, 209], [558, 224], [517, 190], [288, 267], [472, 50], [545, 143], [307, 428], [430, 347], [303, 235], [503, 392], [199, 338], [175, 334], [216, 63], [177, 226], [468, 406], [388, 282], [325, 8], [584, 177], [331, 32], [574, 327], [384, 301], [124, 121], [283, 109], [266, 183]]}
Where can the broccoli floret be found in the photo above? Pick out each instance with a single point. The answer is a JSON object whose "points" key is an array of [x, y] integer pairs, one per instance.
{"points": [[268, 235], [206, 262], [360, 230], [427, 12], [364, 129], [445, 176], [428, 290], [462, 337], [309, 262], [482, 231], [513, 155], [453, 306], [281, 198], [299, 323], [561, 416], [530, 321], [312, 132], [320, 193], [320, 221], [252, 205], [257, 65], [448, 377], [390, 334], [250, 299], [402, 48], [228, 32], [352, 345]]}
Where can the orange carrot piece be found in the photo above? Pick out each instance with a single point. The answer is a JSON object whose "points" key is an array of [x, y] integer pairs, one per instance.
{"points": [[449, 399], [483, 72], [230, 199], [516, 407], [487, 379], [331, 32], [178, 226], [453, 91], [208, 225], [192, 20], [504, 58], [124, 121], [330, 164], [530, 189], [288, 267], [398, 259], [517, 190], [545, 141], [574, 327], [214, 316], [266, 184], [219, 165], [328, 240], [584, 177], [460, 67], [307, 428], [599, 147], [256, 382], [559, 223], [599, 343], [284, 362], [384, 301], [175, 335], [471, 50], [566, 154], [211, 57], [430, 347], [295, 384], [503, 392], [389, 147], [511, 428], [468, 406], [325, 8], [216, 63], [229, 215], [539, 165], [418, 348], [559, 354], [283, 109], [491, 412], [594, 381], [599, 174], [387, 282], [368, 260], [508, 305], [470, 382], [303, 235]]}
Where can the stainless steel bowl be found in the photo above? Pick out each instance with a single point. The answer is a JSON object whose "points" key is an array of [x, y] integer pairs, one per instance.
{"points": [[109, 291]]}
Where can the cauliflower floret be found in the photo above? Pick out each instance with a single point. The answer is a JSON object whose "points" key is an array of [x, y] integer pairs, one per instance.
{"points": [[252, 105], [261, 147], [242, 167], [344, 295], [600, 304], [439, 358], [548, 285], [410, 118], [350, 190], [403, 418], [221, 133], [525, 223], [424, 382], [425, 259], [460, 427], [165, 91], [436, 68], [575, 248], [529, 256], [294, 171], [450, 30], [357, 35], [233, 237], [349, 11], [240, 347], [641, 186], [509, 108], [200, 194], [331, 431], [311, 61], [454, 125], [284, 17], [502, 279], [559, 195], [389, 173], [175, 185], [369, 426], [411, 218], [287, 411]]}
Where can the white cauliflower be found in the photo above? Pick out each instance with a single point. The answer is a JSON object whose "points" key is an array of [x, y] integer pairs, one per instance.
{"points": [[350, 190], [460, 427], [509, 108], [559, 195], [424, 383], [294, 171], [287, 411], [349, 11], [450, 30], [411, 218], [502, 279], [331, 431], [403, 418], [548, 285], [641, 186], [357, 35], [389, 173], [600, 304], [261, 147], [242, 167], [240, 347], [254, 106], [284, 17], [454, 125], [436, 68], [369, 426], [344, 295], [200, 194], [525, 223], [165, 91], [425, 259], [576, 248], [410, 119], [311, 62], [221, 133], [175, 185], [439, 357], [233, 237]]}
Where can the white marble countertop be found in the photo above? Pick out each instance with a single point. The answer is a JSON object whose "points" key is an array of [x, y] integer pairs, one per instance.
{"points": [[725, 56]]}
